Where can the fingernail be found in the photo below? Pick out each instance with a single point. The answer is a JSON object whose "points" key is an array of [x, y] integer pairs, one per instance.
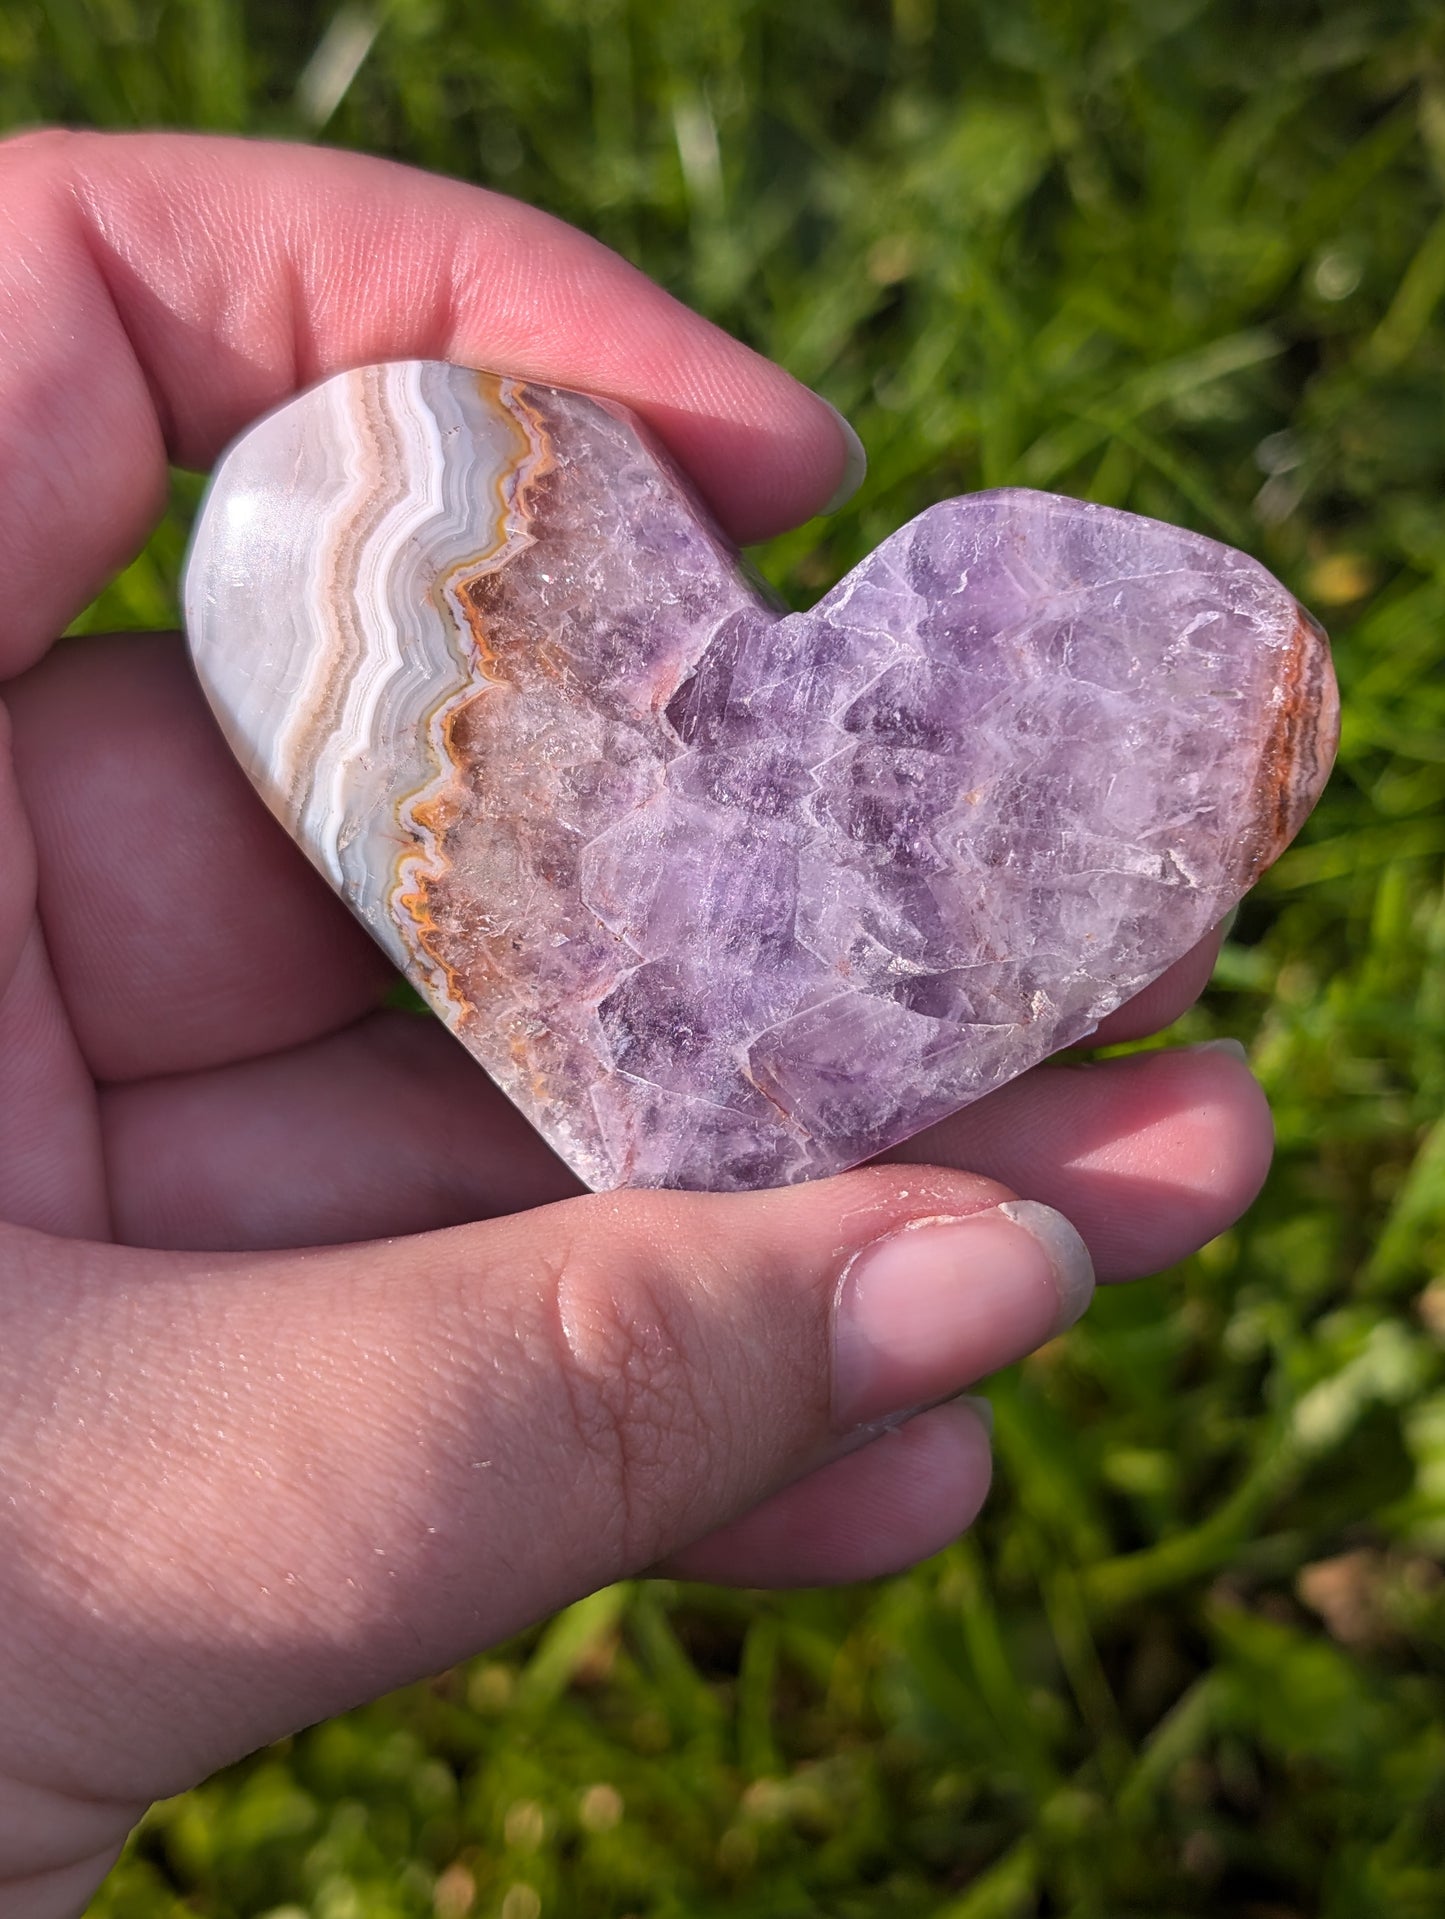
{"points": [[1233, 1047], [855, 467], [929, 1309]]}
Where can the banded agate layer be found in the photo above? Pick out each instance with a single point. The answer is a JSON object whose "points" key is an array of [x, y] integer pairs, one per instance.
{"points": [[724, 897]]}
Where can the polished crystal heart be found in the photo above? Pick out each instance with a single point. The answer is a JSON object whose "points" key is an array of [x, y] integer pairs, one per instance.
{"points": [[726, 897]]}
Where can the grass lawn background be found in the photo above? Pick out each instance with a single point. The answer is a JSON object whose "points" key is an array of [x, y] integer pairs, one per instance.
{"points": [[1183, 257]]}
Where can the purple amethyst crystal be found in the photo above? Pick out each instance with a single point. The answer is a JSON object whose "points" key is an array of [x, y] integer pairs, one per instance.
{"points": [[723, 897]]}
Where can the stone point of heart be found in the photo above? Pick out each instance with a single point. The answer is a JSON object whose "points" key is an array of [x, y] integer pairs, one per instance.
{"points": [[725, 897]]}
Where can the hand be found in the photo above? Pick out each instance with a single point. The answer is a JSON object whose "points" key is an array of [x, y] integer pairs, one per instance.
{"points": [[246, 1487]]}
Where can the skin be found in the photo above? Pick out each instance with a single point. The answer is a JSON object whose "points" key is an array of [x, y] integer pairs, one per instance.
{"points": [[247, 1485]]}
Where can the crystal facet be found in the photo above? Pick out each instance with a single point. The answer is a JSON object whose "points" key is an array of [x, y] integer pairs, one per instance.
{"points": [[725, 897]]}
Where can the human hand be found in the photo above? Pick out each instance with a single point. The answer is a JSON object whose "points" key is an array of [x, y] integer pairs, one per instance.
{"points": [[246, 1486]]}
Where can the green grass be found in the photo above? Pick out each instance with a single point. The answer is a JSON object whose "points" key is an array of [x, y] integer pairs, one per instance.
{"points": [[1183, 257]]}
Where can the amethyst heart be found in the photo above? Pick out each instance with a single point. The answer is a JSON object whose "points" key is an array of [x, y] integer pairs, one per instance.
{"points": [[724, 897]]}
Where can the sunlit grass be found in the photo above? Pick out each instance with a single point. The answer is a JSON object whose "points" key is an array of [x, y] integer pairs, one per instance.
{"points": [[1181, 257]]}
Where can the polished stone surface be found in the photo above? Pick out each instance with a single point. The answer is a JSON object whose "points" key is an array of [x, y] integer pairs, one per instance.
{"points": [[722, 897]]}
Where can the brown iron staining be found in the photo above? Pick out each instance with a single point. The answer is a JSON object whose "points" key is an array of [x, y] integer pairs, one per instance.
{"points": [[472, 819], [461, 952], [1298, 750], [437, 816], [483, 597]]}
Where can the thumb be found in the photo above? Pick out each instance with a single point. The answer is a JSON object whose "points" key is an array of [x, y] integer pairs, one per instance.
{"points": [[257, 1491]]}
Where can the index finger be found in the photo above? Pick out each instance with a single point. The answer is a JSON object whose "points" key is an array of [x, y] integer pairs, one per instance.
{"points": [[159, 291]]}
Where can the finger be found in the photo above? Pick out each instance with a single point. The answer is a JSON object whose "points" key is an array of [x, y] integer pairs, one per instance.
{"points": [[52, 1166], [389, 1127], [901, 1499], [17, 860], [184, 927], [257, 1492], [204, 280], [1164, 999], [1151, 1156], [52, 1174]]}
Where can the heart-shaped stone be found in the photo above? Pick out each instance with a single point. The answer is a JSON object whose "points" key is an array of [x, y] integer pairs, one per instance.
{"points": [[724, 897]]}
